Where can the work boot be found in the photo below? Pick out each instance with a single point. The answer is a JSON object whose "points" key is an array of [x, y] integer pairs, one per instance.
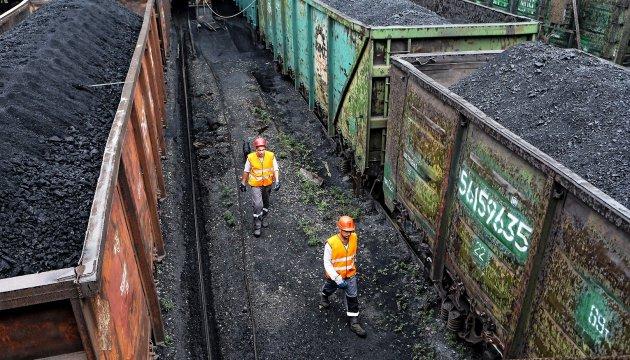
{"points": [[265, 222], [356, 327], [324, 303], [257, 225]]}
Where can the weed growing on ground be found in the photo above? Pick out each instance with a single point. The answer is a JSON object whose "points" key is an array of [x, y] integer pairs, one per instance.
{"points": [[454, 343], [168, 340], [311, 193], [344, 204], [332, 202], [309, 228], [262, 114], [292, 146], [226, 196], [167, 304], [229, 218], [423, 351]]}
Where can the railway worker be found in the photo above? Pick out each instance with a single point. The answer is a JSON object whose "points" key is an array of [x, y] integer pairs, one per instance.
{"points": [[261, 172], [340, 272]]}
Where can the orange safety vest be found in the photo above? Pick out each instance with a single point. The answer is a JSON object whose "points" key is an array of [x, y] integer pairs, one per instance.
{"points": [[342, 258], [261, 172]]}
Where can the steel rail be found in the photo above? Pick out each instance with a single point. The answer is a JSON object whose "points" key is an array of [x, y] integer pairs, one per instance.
{"points": [[202, 290], [242, 236]]}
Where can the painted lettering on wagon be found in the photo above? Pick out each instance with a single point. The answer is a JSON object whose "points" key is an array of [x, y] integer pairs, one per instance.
{"points": [[495, 214], [594, 318]]}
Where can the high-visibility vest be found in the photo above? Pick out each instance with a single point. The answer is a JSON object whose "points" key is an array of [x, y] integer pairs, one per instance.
{"points": [[342, 258], [261, 172]]}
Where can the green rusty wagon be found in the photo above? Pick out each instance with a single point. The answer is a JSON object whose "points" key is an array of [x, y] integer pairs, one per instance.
{"points": [[604, 24], [341, 65], [537, 258]]}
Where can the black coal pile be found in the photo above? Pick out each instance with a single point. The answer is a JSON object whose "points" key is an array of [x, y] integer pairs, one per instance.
{"points": [[459, 12], [387, 13], [574, 107], [54, 126]]}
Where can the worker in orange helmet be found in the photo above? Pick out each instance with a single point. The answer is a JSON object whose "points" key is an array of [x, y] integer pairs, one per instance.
{"points": [[340, 254], [261, 172]]}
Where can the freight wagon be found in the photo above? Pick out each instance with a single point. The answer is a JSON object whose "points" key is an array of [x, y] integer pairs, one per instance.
{"points": [[5, 5], [530, 258], [106, 306], [340, 64], [15, 11], [604, 25]]}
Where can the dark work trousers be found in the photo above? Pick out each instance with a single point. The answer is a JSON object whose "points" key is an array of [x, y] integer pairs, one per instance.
{"points": [[260, 200], [352, 299]]}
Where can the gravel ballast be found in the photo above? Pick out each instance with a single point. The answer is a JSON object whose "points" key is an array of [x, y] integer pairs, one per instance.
{"points": [[387, 13], [53, 127], [283, 268], [572, 106]]}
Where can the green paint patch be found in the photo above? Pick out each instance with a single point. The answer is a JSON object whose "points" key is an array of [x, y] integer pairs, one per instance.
{"points": [[487, 271], [503, 4], [594, 319], [352, 126], [481, 253], [389, 187], [527, 7], [495, 213], [425, 197]]}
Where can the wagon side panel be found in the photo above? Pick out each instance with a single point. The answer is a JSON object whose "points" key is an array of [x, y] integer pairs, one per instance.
{"points": [[498, 215], [353, 122], [584, 297], [119, 311], [426, 142]]}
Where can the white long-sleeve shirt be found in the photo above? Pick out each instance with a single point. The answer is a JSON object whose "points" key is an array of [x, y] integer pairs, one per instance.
{"points": [[328, 265]]}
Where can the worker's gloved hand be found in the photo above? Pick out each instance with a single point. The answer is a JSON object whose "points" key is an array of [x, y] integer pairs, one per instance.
{"points": [[343, 284], [242, 187], [276, 187]]}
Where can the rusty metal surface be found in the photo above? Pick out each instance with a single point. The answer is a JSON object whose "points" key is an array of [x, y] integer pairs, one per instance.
{"points": [[593, 197], [36, 288], [96, 232], [137, 6], [504, 199], [119, 311], [40, 330], [426, 144], [583, 305], [118, 306], [498, 215]]}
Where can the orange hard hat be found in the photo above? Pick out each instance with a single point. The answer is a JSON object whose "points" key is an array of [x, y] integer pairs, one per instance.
{"points": [[260, 142], [345, 223]]}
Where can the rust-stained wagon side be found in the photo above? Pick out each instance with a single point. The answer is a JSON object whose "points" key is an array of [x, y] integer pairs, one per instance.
{"points": [[340, 65], [107, 306], [542, 255]]}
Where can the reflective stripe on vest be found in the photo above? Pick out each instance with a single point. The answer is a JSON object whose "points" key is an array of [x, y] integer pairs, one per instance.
{"points": [[261, 172], [342, 258]]}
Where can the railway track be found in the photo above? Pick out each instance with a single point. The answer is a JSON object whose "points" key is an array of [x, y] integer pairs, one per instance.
{"points": [[207, 333], [193, 182]]}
